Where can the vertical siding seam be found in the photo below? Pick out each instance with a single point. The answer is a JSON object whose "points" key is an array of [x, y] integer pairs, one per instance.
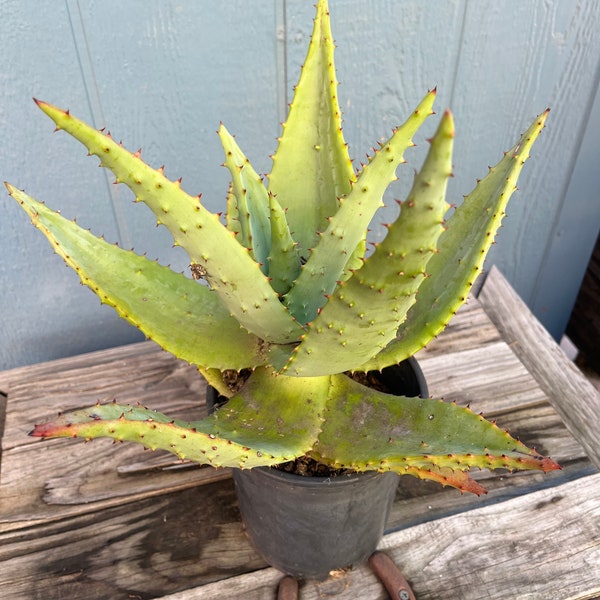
{"points": [[461, 39], [281, 58], [541, 274], [585, 24], [84, 60], [92, 94]]}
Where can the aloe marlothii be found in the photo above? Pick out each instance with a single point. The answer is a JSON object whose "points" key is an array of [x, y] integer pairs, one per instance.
{"points": [[283, 289]]}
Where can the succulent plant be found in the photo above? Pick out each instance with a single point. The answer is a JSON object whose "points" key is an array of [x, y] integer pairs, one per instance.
{"points": [[284, 290]]}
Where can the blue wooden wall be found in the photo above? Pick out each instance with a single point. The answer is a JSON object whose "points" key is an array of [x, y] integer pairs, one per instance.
{"points": [[162, 74]]}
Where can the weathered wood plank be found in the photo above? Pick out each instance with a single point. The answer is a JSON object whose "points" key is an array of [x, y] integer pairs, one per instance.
{"points": [[136, 373], [489, 378], [47, 480], [260, 585], [575, 399], [495, 552], [85, 528], [469, 328], [419, 501], [73, 481], [140, 549]]}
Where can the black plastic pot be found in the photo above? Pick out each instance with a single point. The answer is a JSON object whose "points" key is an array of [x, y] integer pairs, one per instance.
{"points": [[309, 526]]}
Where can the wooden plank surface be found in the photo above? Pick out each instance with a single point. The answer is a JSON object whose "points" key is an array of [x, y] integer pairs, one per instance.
{"points": [[507, 550], [73, 478], [575, 399], [101, 520]]}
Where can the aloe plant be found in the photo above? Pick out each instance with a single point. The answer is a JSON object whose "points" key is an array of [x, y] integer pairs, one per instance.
{"points": [[284, 290]]}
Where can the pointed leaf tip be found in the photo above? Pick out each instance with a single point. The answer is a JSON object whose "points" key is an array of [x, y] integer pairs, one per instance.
{"points": [[547, 464]]}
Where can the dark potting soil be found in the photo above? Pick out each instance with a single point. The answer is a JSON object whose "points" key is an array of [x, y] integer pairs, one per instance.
{"points": [[308, 467]]}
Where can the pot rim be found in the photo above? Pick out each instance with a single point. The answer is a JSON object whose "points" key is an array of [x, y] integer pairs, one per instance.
{"points": [[315, 481]]}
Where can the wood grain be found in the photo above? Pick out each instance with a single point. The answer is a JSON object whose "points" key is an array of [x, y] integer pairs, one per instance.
{"points": [[507, 550], [575, 399], [144, 548], [103, 520]]}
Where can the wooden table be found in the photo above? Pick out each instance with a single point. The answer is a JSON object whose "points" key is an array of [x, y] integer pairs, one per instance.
{"points": [[103, 520]]}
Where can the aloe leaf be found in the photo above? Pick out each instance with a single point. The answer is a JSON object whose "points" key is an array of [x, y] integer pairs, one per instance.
{"points": [[181, 315], [216, 379], [462, 250], [244, 433], [413, 435], [446, 477], [347, 227], [252, 200], [362, 315], [284, 260], [267, 423], [232, 216], [311, 166], [230, 270]]}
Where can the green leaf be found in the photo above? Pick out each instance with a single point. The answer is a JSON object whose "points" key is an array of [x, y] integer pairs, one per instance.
{"points": [[232, 217], [244, 433], [277, 418], [284, 260], [395, 433], [462, 250], [347, 227], [252, 201], [362, 315], [181, 315], [311, 167], [230, 270]]}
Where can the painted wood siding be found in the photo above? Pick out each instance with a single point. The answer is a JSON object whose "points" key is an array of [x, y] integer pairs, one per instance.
{"points": [[162, 74]]}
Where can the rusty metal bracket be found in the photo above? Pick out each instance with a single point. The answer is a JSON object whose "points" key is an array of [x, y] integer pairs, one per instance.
{"points": [[288, 589], [393, 580], [383, 566]]}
